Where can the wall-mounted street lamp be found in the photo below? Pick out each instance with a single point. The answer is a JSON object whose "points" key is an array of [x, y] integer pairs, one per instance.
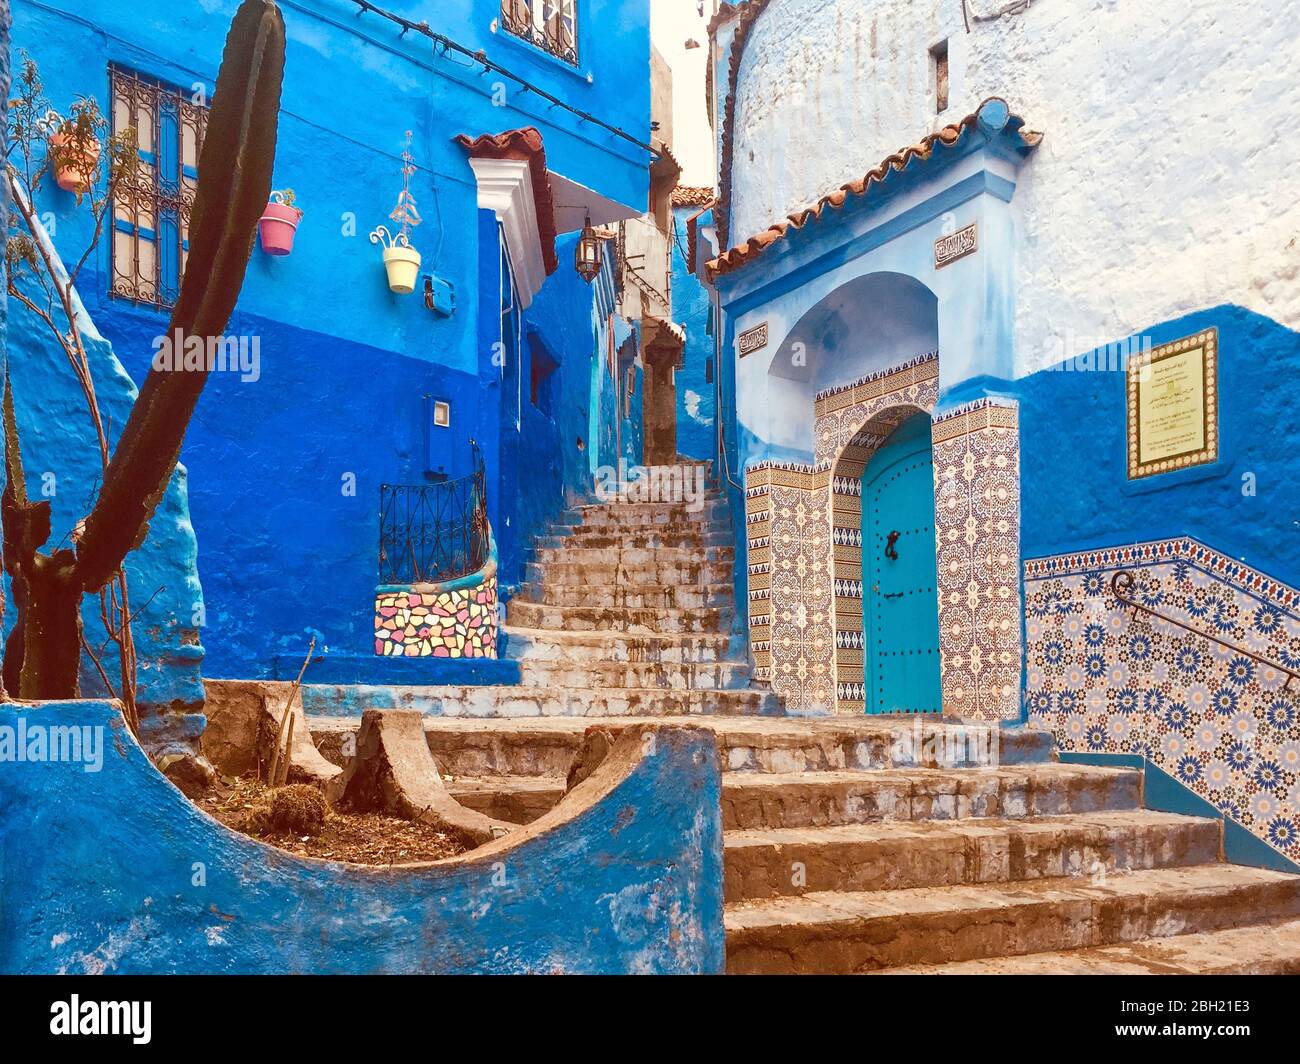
{"points": [[586, 259]]}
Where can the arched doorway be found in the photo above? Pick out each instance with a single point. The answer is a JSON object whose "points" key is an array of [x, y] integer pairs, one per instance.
{"points": [[900, 623]]}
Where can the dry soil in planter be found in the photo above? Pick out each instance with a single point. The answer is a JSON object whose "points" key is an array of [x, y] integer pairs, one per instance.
{"points": [[251, 807]]}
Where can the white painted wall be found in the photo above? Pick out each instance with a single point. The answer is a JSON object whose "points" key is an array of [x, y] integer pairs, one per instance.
{"points": [[1167, 179]]}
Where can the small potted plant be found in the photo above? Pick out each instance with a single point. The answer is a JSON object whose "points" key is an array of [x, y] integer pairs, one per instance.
{"points": [[279, 223], [74, 151], [401, 261]]}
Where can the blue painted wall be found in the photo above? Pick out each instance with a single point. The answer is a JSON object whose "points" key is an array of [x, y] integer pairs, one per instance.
{"points": [[345, 364], [1075, 420], [624, 876], [696, 404]]}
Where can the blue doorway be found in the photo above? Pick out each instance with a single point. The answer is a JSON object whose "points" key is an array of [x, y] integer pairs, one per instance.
{"points": [[900, 604]]}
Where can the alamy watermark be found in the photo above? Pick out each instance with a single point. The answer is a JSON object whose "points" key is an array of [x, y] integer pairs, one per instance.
{"points": [[946, 745], [667, 483], [175, 352], [44, 743], [1098, 358], [114, 1018]]}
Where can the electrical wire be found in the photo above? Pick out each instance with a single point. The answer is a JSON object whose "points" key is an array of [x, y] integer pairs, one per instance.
{"points": [[480, 57]]}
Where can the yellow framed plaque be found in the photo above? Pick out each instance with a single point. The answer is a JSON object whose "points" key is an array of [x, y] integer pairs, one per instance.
{"points": [[1173, 406]]}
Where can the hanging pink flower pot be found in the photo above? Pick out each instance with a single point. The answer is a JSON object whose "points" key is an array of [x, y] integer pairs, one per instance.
{"points": [[279, 223], [73, 160]]}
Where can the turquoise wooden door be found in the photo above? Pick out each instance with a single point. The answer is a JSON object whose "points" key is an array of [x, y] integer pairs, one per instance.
{"points": [[900, 608]]}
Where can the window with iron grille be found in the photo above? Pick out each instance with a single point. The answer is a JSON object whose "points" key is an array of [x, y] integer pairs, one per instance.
{"points": [[551, 25], [151, 205]]}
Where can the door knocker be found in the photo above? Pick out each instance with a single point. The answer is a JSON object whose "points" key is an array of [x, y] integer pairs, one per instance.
{"points": [[890, 552]]}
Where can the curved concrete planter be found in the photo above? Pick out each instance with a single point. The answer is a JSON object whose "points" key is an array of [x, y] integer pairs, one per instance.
{"points": [[116, 871]]}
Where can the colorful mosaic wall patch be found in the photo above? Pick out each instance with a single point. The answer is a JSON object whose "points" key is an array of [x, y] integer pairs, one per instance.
{"points": [[805, 549], [790, 619], [431, 620], [1106, 681], [977, 537]]}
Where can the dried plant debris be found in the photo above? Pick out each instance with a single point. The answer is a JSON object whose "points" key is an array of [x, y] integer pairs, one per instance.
{"points": [[297, 819]]}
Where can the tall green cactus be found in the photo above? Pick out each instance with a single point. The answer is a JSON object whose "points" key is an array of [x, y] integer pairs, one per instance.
{"points": [[43, 655]]}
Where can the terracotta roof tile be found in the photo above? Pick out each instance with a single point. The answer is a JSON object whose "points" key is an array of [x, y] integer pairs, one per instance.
{"points": [[692, 196], [525, 145], [922, 151]]}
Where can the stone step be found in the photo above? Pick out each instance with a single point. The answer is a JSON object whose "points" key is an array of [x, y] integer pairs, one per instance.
{"points": [[633, 557], [614, 618], [753, 800], [841, 933], [777, 862], [640, 596], [565, 536], [544, 746], [1260, 949], [533, 644], [608, 570], [703, 675]]}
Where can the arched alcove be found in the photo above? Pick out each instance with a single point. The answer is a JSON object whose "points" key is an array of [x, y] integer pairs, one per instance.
{"points": [[865, 326]]}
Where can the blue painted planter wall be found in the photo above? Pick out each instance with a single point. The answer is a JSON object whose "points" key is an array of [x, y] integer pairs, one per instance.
{"points": [[624, 876], [345, 364]]}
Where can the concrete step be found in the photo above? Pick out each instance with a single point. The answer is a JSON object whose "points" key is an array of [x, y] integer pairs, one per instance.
{"points": [[753, 800], [649, 513], [609, 570], [544, 746], [564, 536], [614, 618], [770, 800], [504, 703], [514, 799], [639, 596], [534, 644], [840, 933], [1260, 949], [771, 863], [865, 743], [704, 675], [632, 557]]}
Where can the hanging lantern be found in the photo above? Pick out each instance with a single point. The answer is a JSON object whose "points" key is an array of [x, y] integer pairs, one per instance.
{"points": [[586, 259]]}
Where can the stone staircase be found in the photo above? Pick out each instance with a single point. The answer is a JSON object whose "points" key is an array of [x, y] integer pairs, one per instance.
{"points": [[850, 844], [626, 610]]}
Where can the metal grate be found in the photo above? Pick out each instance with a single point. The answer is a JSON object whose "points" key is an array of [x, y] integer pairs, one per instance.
{"points": [[551, 25], [429, 533], [151, 206]]}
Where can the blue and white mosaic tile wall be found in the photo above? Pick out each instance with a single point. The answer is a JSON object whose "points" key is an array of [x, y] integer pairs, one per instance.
{"points": [[1108, 682]]}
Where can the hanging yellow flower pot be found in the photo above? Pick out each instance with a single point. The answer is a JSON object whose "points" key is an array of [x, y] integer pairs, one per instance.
{"points": [[401, 261]]}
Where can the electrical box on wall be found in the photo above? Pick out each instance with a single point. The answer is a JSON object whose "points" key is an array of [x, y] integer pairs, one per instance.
{"points": [[438, 438], [439, 295]]}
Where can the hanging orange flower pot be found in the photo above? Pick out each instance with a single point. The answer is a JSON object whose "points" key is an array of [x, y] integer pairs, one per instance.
{"points": [[73, 159]]}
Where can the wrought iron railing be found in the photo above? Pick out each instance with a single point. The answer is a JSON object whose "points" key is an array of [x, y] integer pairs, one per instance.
{"points": [[429, 533], [1122, 585], [551, 25]]}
